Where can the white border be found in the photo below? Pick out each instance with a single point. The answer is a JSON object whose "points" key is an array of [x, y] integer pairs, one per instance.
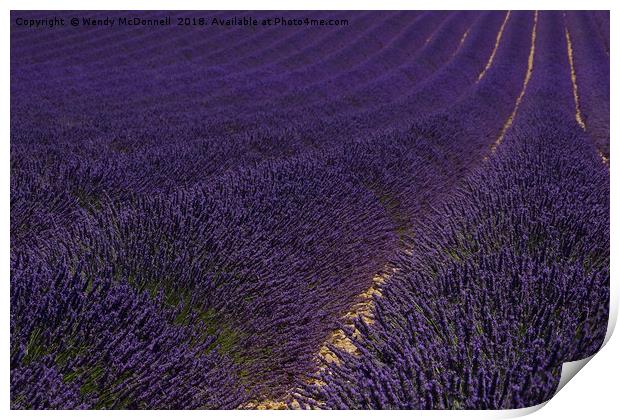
{"points": [[601, 384]]}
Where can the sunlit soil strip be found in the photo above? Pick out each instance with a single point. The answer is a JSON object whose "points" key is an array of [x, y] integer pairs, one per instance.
{"points": [[463, 38], [432, 35], [497, 41], [528, 76], [573, 78], [603, 158], [338, 339], [363, 309]]}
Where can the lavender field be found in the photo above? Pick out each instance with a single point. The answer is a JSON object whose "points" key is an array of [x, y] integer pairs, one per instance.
{"points": [[394, 210]]}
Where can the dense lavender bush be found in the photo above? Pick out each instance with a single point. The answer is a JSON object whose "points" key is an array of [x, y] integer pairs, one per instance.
{"points": [[262, 254], [80, 341]]}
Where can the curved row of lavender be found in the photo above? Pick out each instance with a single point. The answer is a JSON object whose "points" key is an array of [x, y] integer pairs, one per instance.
{"points": [[193, 210], [504, 282]]}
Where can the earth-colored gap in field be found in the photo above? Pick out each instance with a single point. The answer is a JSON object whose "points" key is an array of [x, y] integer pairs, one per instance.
{"points": [[362, 309], [463, 38], [528, 76], [432, 35], [573, 78], [498, 39]]}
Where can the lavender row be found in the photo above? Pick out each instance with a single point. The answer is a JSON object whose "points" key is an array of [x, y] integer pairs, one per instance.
{"points": [[80, 340]]}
